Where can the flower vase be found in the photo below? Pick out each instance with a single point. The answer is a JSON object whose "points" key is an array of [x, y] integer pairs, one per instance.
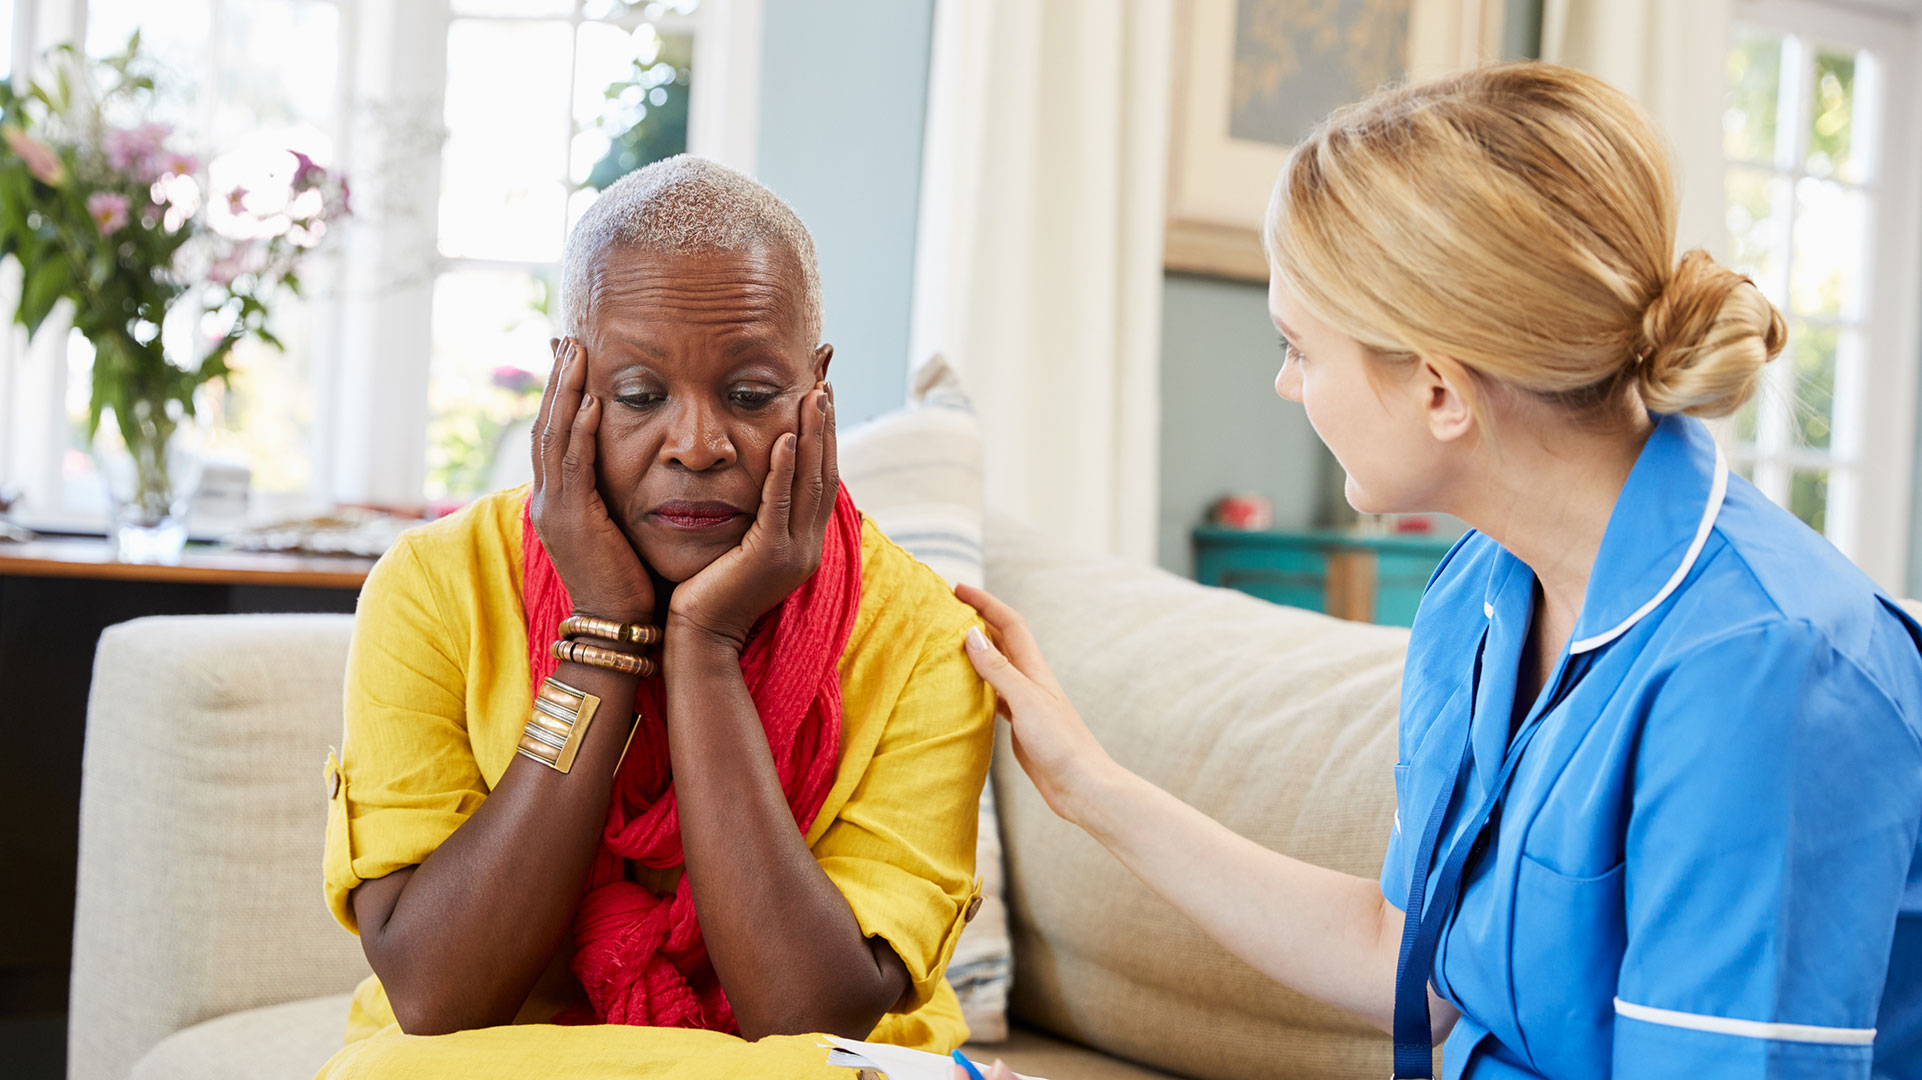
{"points": [[151, 469]]}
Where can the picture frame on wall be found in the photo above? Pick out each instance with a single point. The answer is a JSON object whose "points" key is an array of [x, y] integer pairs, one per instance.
{"points": [[1252, 77]]}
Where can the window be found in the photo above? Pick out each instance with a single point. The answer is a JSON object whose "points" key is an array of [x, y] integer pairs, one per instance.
{"points": [[1816, 211], [603, 89], [474, 133]]}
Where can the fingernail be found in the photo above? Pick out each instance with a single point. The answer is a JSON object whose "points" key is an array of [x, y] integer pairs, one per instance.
{"points": [[821, 403], [830, 389], [976, 639], [790, 440]]}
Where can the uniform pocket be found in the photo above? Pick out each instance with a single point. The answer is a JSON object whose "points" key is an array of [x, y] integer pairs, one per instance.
{"points": [[1565, 958]]}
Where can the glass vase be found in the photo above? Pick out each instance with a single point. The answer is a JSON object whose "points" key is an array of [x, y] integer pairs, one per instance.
{"points": [[151, 468]]}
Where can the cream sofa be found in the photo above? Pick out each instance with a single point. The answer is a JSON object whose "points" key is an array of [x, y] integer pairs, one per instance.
{"points": [[202, 950]]}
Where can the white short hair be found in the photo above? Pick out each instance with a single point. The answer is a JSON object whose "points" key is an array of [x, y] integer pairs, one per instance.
{"points": [[685, 204]]}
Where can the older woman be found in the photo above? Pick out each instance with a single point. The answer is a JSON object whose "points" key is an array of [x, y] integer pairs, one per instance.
{"points": [[672, 749]]}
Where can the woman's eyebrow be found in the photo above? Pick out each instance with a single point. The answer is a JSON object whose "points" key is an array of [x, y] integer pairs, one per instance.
{"points": [[1283, 327], [752, 343]]}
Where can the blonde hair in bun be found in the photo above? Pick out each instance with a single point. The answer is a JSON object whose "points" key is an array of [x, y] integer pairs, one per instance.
{"points": [[1518, 219], [1705, 339]]}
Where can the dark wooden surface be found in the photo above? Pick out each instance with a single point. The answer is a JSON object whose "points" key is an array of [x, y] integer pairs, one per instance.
{"points": [[55, 599]]}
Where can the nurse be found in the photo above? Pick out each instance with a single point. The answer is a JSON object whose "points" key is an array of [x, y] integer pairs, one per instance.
{"points": [[1661, 745]]}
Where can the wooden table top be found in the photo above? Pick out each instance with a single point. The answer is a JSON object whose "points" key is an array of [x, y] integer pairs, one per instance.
{"points": [[92, 557]]}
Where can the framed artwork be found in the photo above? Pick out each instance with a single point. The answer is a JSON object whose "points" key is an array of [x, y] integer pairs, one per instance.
{"points": [[1252, 77]]}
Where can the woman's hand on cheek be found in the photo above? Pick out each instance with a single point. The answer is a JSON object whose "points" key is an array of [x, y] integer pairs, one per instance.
{"points": [[603, 574], [783, 546]]}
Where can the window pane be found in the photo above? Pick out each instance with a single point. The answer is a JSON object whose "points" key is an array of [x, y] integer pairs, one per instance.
{"points": [[242, 90], [1830, 226], [646, 9], [176, 42], [503, 189], [1756, 203], [513, 7], [490, 358], [6, 38], [1831, 117], [270, 93], [1812, 349], [1746, 419], [1754, 93], [630, 100], [1809, 497]]}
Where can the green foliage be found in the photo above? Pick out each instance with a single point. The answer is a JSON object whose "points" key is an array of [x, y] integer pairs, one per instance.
{"points": [[1754, 83], [655, 125]]}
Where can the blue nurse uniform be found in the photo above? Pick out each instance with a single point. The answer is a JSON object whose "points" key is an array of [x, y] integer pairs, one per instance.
{"points": [[1703, 859]]}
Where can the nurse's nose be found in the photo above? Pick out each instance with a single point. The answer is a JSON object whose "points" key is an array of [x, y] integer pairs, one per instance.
{"points": [[1288, 381]]}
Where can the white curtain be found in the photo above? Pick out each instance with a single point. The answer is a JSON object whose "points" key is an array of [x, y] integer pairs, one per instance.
{"points": [[1038, 266], [1672, 56]]}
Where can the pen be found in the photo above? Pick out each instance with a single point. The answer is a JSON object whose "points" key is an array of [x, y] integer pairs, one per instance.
{"points": [[961, 1060]]}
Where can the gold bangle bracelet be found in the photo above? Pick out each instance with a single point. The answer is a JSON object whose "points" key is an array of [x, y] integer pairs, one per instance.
{"points": [[610, 630], [557, 724], [580, 652]]}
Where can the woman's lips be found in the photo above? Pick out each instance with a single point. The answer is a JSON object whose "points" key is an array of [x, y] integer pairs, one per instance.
{"points": [[695, 516]]}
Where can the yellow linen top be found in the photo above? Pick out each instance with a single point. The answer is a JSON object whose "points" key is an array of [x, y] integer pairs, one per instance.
{"points": [[438, 691]]}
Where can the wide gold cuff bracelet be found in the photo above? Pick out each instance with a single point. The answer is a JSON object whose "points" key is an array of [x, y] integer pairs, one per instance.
{"points": [[558, 724]]}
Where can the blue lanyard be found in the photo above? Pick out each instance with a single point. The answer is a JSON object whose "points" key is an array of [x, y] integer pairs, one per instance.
{"points": [[1421, 932]]}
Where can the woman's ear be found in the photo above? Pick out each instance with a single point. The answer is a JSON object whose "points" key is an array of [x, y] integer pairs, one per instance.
{"points": [[823, 356], [1449, 394]]}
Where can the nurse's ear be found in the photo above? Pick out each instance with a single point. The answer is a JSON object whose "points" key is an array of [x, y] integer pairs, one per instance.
{"points": [[1449, 396]]}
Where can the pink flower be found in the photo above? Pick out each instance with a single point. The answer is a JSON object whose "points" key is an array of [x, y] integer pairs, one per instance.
{"points": [[228, 267], [236, 200], [109, 211], [306, 173], [516, 380], [41, 159], [172, 164], [138, 151]]}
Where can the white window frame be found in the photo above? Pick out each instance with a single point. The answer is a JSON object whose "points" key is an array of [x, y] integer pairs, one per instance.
{"points": [[374, 341], [1874, 425]]}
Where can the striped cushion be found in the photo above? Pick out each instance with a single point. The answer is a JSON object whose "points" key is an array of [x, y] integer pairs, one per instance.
{"points": [[917, 472]]}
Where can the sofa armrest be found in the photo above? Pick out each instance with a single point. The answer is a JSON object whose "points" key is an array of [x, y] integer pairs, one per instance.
{"points": [[201, 826]]}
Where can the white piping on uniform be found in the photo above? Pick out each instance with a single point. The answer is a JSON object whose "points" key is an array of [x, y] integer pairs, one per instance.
{"points": [[1716, 493], [1488, 610], [1748, 1029]]}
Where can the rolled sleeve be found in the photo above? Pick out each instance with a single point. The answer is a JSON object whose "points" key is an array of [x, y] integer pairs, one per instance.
{"points": [[405, 777], [902, 848], [1773, 824]]}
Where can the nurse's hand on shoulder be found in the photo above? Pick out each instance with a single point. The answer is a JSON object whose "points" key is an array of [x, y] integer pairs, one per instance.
{"points": [[1054, 747]]}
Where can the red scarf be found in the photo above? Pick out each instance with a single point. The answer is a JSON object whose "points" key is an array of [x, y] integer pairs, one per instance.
{"points": [[641, 959]]}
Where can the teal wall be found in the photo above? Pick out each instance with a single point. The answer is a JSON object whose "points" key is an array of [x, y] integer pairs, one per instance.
{"points": [[844, 88], [1223, 429]]}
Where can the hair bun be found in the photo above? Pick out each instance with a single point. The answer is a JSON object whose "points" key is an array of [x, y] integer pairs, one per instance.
{"points": [[1705, 340]]}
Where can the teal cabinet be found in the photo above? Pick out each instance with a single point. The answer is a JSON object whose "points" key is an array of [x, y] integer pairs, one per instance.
{"points": [[1370, 578]]}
